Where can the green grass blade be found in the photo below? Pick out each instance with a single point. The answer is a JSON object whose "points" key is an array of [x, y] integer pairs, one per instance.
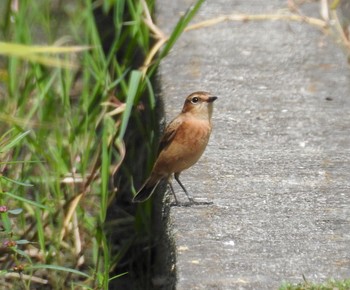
{"points": [[106, 262], [6, 134], [178, 30], [40, 229], [14, 142], [118, 276], [180, 26], [105, 165], [19, 162], [15, 49], [25, 200], [134, 85], [22, 253], [56, 268], [15, 181], [5, 222]]}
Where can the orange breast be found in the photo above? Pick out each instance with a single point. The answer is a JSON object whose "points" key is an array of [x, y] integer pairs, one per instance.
{"points": [[186, 148]]}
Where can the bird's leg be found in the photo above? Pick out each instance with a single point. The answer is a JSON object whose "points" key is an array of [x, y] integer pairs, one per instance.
{"points": [[172, 190], [190, 198]]}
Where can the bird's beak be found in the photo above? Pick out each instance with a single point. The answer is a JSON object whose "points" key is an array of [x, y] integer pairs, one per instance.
{"points": [[211, 99]]}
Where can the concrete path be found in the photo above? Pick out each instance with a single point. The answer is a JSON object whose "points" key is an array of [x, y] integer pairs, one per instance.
{"points": [[278, 164]]}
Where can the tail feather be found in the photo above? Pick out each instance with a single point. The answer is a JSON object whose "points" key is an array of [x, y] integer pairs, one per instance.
{"points": [[146, 191]]}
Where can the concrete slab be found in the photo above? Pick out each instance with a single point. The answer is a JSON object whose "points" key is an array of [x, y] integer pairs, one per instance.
{"points": [[278, 164]]}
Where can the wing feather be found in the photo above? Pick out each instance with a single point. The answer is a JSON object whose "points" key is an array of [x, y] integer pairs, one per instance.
{"points": [[169, 134]]}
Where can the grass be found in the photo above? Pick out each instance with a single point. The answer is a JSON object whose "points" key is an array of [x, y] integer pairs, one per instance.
{"points": [[329, 285], [73, 91]]}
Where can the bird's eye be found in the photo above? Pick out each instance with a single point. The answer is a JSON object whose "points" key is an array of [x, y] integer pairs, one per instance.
{"points": [[194, 100]]}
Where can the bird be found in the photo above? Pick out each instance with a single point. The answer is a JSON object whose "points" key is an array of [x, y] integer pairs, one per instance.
{"points": [[183, 143]]}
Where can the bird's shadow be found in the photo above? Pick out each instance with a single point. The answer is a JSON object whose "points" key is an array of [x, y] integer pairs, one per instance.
{"points": [[190, 204]]}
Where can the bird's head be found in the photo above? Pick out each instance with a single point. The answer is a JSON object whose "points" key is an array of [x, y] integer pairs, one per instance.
{"points": [[200, 104]]}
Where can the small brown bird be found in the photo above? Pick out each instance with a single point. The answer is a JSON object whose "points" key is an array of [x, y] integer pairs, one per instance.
{"points": [[183, 143]]}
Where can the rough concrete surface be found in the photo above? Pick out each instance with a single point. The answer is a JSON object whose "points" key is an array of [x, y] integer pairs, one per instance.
{"points": [[277, 168]]}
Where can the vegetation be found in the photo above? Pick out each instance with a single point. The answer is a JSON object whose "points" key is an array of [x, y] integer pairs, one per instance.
{"points": [[329, 285], [73, 76]]}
